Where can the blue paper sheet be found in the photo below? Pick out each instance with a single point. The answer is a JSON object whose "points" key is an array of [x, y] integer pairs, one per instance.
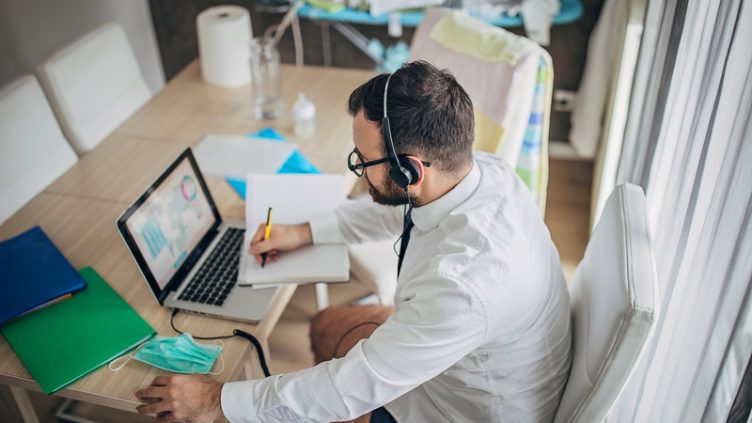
{"points": [[296, 163]]}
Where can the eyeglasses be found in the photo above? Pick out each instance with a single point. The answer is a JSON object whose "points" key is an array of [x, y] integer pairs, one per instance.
{"points": [[356, 164]]}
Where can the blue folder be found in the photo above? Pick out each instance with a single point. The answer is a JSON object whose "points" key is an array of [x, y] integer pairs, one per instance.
{"points": [[296, 163], [33, 273]]}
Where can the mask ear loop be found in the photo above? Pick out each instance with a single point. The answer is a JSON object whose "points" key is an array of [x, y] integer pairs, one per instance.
{"points": [[221, 359], [128, 358]]}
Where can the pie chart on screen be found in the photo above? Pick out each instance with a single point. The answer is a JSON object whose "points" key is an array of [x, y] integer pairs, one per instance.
{"points": [[188, 187]]}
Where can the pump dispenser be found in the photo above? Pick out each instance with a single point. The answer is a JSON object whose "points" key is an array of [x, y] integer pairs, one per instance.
{"points": [[304, 117]]}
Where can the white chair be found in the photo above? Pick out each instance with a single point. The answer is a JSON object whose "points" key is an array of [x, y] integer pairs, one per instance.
{"points": [[614, 296], [374, 264], [33, 151], [94, 85]]}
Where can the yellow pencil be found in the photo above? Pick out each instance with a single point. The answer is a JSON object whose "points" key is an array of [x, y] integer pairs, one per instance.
{"points": [[267, 233]]}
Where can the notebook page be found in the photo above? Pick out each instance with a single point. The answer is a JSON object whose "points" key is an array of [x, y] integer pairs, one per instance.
{"points": [[294, 198]]}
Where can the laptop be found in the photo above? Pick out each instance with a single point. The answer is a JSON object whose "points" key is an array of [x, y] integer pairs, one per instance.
{"points": [[187, 254]]}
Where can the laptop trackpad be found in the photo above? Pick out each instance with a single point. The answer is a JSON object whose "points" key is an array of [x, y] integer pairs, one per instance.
{"points": [[244, 301], [243, 304]]}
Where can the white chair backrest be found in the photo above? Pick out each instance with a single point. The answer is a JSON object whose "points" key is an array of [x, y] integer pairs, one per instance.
{"points": [[614, 296], [499, 76], [33, 151], [508, 77], [94, 85]]}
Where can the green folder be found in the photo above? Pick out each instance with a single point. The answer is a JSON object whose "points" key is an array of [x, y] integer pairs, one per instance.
{"points": [[64, 342]]}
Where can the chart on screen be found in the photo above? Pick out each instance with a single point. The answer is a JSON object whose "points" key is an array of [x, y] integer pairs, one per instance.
{"points": [[171, 222]]}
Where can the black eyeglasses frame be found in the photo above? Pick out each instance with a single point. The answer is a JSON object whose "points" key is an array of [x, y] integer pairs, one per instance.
{"points": [[360, 167]]}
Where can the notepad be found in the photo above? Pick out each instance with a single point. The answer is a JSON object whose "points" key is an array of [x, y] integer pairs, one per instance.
{"points": [[64, 342], [294, 199], [34, 274]]}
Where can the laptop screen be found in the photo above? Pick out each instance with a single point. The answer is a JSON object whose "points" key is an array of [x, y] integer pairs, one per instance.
{"points": [[164, 227], [171, 222]]}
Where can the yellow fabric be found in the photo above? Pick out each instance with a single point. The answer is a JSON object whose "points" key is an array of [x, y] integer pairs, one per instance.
{"points": [[488, 133], [543, 184], [465, 35]]}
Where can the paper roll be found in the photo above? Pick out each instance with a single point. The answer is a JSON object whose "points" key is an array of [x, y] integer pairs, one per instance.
{"points": [[224, 36]]}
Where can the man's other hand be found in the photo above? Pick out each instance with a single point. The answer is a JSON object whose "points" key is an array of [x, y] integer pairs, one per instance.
{"points": [[182, 398]]}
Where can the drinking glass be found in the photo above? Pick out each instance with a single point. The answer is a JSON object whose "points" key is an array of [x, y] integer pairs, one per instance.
{"points": [[265, 79]]}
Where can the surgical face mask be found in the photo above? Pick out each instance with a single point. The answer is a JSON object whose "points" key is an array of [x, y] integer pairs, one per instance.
{"points": [[179, 354]]}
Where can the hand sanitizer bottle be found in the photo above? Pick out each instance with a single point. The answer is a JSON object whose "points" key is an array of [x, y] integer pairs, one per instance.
{"points": [[304, 117]]}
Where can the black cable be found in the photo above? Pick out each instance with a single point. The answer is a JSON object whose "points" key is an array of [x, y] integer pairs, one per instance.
{"points": [[236, 332], [260, 350], [394, 246], [407, 209], [341, 338], [409, 200]]}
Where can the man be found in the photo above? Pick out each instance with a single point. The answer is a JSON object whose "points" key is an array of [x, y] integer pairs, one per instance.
{"points": [[480, 331]]}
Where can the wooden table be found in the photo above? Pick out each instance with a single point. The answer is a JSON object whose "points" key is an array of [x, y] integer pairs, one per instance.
{"points": [[79, 210]]}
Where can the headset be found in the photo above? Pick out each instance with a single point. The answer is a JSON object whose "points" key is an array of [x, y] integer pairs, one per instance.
{"points": [[403, 171]]}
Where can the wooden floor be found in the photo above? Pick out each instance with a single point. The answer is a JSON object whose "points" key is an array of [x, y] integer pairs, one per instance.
{"points": [[568, 209], [567, 216]]}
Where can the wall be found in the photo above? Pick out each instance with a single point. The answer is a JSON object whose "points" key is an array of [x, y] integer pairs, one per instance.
{"points": [[31, 30]]}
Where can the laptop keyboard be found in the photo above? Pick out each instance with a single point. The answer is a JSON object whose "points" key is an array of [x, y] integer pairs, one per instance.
{"points": [[218, 274]]}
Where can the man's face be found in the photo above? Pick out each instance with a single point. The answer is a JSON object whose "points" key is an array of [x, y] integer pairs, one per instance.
{"points": [[368, 143]]}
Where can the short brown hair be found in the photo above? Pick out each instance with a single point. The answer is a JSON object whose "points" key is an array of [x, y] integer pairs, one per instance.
{"points": [[429, 113]]}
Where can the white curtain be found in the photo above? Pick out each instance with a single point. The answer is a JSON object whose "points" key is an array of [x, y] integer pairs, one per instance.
{"points": [[688, 143]]}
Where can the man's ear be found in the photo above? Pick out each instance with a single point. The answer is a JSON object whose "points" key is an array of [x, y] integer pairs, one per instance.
{"points": [[421, 169]]}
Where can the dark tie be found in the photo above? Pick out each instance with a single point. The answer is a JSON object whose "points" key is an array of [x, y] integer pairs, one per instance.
{"points": [[405, 238]]}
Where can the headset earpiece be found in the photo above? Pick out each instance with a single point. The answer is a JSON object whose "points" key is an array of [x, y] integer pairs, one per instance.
{"points": [[401, 176], [403, 171], [412, 169]]}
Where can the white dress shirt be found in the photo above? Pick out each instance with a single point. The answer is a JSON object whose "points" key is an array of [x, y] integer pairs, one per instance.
{"points": [[480, 331]]}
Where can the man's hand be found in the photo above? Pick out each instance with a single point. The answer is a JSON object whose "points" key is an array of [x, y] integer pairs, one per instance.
{"points": [[281, 238], [182, 398]]}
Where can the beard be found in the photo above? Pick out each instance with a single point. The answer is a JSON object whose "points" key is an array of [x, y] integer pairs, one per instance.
{"points": [[390, 195]]}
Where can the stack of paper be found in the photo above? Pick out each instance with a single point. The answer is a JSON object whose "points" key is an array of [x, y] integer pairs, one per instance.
{"points": [[236, 156], [294, 199], [296, 163]]}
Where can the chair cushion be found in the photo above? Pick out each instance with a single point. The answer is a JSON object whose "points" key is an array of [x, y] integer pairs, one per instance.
{"points": [[340, 328], [375, 265], [33, 151], [614, 301], [94, 85]]}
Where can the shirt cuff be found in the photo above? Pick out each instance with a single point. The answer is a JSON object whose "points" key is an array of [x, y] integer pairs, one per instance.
{"points": [[237, 402], [325, 230]]}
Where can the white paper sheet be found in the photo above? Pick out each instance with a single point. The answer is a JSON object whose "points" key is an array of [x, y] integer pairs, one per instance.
{"points": [[294, 199], [237, 156]]}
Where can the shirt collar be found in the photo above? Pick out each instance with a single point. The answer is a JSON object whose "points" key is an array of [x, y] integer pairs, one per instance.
{"points": [[429, 216]]}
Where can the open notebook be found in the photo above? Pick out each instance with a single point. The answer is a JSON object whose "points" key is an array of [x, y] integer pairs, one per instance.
{"points": [[294, 199]]}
